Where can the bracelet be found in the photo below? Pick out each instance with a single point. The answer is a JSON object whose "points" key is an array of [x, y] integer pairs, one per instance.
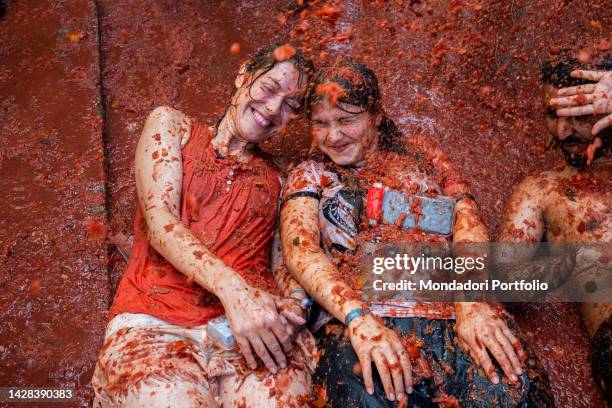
{"points": [[353, 314], [305, 302], [300, 291]]}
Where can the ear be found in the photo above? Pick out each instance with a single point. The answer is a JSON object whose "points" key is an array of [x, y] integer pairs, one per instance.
{"points": [[242, 77]]}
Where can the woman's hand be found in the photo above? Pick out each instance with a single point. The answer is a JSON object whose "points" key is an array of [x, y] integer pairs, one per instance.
{"points": [[480, 331], [372, 341], [293, 316], [257, 325], [589, 99]]}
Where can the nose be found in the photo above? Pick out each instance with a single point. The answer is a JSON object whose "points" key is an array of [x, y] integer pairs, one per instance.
{"points": [[564, 128], [273, 105], [333, 135]]}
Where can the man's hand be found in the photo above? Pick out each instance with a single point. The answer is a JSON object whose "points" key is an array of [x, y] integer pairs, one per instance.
{"points": [[589, 99], [372, 341], [257, 325], [481, 330]]}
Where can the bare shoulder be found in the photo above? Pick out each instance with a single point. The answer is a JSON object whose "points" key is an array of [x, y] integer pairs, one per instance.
{"points": [[173, 121], [539, 183], [167, 113]]}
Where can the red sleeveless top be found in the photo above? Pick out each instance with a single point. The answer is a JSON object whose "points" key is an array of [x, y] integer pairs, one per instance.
{"points": [[231, 208]]}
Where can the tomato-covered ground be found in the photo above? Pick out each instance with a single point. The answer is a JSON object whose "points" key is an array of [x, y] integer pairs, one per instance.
{"points": [[77, 79]]}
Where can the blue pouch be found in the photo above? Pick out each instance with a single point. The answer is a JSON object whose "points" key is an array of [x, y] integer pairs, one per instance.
{"points": [[436, 215]]}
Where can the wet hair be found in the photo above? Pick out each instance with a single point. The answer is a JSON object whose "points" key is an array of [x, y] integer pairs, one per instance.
{"points": [[557, 72], [360, 88], [262, 62], [2, 7]]}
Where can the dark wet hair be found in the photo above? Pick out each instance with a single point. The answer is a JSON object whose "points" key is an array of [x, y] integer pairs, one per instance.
{"points": [[360, 88], [557, 71], [263, 61]]}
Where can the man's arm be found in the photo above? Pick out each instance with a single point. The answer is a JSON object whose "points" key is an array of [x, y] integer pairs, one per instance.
{"points": [[522, 219]]}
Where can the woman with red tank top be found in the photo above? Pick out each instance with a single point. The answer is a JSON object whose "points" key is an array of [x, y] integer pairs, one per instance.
{"points": [[203, 236]]}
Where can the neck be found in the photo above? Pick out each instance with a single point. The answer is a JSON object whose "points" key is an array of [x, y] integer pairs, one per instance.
{"points": [[228, 143]]}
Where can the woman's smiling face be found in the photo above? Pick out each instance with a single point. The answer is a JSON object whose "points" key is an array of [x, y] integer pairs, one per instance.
{"points": [[347, 138], [268, 103]]}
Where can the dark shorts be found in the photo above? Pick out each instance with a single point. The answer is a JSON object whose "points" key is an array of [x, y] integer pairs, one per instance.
{"points": [[458, 380]]}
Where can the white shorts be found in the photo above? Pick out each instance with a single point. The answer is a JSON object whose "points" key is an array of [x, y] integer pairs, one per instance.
{"points": [[143, 357]]}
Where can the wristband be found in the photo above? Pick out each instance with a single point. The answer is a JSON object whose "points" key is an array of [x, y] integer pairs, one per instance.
{"points": [[352, 315], [464, 196], [299, 291], [305, 303]]}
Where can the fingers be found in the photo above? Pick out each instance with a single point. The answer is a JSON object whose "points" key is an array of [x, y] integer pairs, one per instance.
{"points": [[383, 371], [270, 339], [516, 344], [366, 370], [577, 90], [406, 368], [506, 345], [590, 75], [282, 334], [602, 124], [245, 349], [293, 318], [263, 354], [483, 358], [500, 355], [576, 111], [397, 373], [576, 100]]}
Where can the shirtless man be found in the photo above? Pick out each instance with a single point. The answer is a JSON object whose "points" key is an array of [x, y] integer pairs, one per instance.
{"points": [[573, 203]]}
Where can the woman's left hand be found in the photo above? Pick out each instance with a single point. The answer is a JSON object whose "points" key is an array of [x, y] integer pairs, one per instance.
{"points": [[292, 314], [481, 330]]}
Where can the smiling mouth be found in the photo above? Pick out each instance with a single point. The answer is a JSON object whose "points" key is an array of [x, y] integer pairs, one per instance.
{"points": [[260, 119], [340, 149]]}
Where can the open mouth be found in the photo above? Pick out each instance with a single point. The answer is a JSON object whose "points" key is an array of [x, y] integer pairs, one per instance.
{"points": [[260, 119]]}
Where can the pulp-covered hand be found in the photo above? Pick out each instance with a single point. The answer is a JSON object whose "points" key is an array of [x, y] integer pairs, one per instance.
{"points": [[293, 316], [588, 99], [258, 326], [482, 331], [373, 342]]}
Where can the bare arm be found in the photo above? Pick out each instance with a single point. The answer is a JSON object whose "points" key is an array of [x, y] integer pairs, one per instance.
{"points": [[468, 225], [159, 182], [480, 330], [523, 220], [251, 312], [307, 262]]}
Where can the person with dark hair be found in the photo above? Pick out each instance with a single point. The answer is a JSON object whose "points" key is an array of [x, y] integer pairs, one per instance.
{"points": [[207, 209], [573, 204], [432, 351]]}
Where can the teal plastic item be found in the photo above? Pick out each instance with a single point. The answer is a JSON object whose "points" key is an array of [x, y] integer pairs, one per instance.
{"points": [[436, 215]]}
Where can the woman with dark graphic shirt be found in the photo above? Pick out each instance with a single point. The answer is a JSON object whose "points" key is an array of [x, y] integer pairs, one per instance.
{"points": [[437, 352]]}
